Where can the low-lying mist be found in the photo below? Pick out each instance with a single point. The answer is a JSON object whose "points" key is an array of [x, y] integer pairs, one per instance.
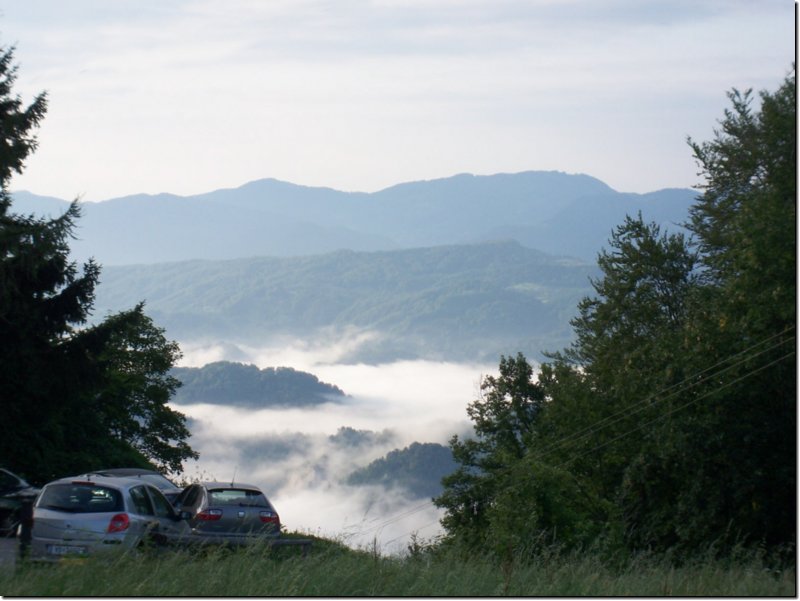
{"points": [[301, 456]]}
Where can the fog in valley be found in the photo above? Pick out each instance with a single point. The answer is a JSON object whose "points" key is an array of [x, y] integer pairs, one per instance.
{"points": [[301, 456]]}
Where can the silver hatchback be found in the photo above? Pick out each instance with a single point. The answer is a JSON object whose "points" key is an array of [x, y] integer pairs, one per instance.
{"points": [[85, 515], [233, 513]]}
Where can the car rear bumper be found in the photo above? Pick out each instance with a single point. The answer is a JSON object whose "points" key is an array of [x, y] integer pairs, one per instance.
{"points": [[44, 549], [212, 538]]}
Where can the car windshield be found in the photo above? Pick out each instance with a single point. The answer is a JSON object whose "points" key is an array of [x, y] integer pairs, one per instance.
{"points": [[158, 481], [237, 496], [80, 498]]}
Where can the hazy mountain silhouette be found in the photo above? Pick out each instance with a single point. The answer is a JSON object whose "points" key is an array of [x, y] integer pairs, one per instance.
{"points": [[446, 302], [550, 211]]}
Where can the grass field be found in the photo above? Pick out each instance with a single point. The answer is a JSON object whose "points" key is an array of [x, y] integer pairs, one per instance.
{"points": [[331, 569]]}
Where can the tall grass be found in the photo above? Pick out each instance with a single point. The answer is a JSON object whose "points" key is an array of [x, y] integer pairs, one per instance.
{"points": [[332, 570]]}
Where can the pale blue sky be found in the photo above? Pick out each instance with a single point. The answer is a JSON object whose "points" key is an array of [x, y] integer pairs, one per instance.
{"points": [[190, 96]]}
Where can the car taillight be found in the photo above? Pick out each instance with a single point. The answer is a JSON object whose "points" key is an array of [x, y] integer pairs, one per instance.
{"points": [[210, 515], [119, 523], [269, 517]]}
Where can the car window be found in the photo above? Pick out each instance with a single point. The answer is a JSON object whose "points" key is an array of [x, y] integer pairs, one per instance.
{"points": [[159, 481], [80, 498], [189, 497], [236, 496], [141, 501], [162, 506]]}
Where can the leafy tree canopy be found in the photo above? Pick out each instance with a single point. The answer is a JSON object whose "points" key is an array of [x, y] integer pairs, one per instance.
{"points": [[670, 424], [74, 397]]}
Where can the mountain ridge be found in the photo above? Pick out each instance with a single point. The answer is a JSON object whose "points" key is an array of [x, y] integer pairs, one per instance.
{"points": [[443, 302], [552, 211]]}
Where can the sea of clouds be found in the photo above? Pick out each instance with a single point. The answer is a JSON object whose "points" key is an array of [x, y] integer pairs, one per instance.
{"points": [[301, 456]]}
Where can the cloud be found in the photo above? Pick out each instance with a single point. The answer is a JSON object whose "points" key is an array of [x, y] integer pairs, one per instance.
{"points": [[300, 457], [186, 97]]}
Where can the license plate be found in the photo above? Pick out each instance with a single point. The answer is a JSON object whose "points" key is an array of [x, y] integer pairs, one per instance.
{"points": [[66, 550]]}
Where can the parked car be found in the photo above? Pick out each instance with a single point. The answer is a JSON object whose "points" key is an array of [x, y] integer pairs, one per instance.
{"points": [[161, 482], [94, 514], [224, 512], [13, 491]]}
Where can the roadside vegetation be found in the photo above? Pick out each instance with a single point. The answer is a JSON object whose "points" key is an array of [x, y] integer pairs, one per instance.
{"points": [[331, 569]]}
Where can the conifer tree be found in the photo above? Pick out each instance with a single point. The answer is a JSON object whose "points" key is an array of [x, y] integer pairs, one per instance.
{"points": [[74, 397]]}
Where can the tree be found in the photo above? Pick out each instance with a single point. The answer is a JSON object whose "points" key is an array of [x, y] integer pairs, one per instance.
{"points": [[727, 473], [690, 371], [745, 226], [74, 397], [602, 407], [17, 140], [503, 418], [670, 423]]}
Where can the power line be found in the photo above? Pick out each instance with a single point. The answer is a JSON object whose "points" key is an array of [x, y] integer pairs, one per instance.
{"points": [[684, 406], [428, 525], [600, 424], [395, 518], [685, 385], [682, 386]]}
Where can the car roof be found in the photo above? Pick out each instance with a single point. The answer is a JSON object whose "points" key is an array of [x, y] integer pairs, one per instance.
{"points": [[135, 472], [239, 485], [109, 481], [125, 471]]}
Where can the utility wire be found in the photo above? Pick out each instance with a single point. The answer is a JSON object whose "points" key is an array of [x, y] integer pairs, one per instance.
{"points": [[400, 514], [428, 525], [681, 407], [599, 425], [682, 386], [396, 518]]}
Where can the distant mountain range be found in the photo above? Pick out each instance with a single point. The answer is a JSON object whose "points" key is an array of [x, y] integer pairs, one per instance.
{"points": [[459, 269], [470, 302], [553, 212], [462, 268]]}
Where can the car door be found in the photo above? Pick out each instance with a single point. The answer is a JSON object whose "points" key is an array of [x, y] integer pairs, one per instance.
{"points": [[143, 508], [171, 528], [190, 499]]}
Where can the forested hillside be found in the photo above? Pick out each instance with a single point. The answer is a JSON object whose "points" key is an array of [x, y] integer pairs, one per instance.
{"points": [[417, 468], [454, 302], [228, 383]]}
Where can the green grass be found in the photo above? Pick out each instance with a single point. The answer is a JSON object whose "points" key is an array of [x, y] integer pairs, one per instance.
{"points": [[331, 569]]}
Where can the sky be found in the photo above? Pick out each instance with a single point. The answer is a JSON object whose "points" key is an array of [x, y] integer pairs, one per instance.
{"points": [[190, 96]]}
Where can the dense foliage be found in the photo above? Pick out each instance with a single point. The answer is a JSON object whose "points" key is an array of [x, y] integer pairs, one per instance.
{"points": [[231, 383], [669, 425], [74, 397]]}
